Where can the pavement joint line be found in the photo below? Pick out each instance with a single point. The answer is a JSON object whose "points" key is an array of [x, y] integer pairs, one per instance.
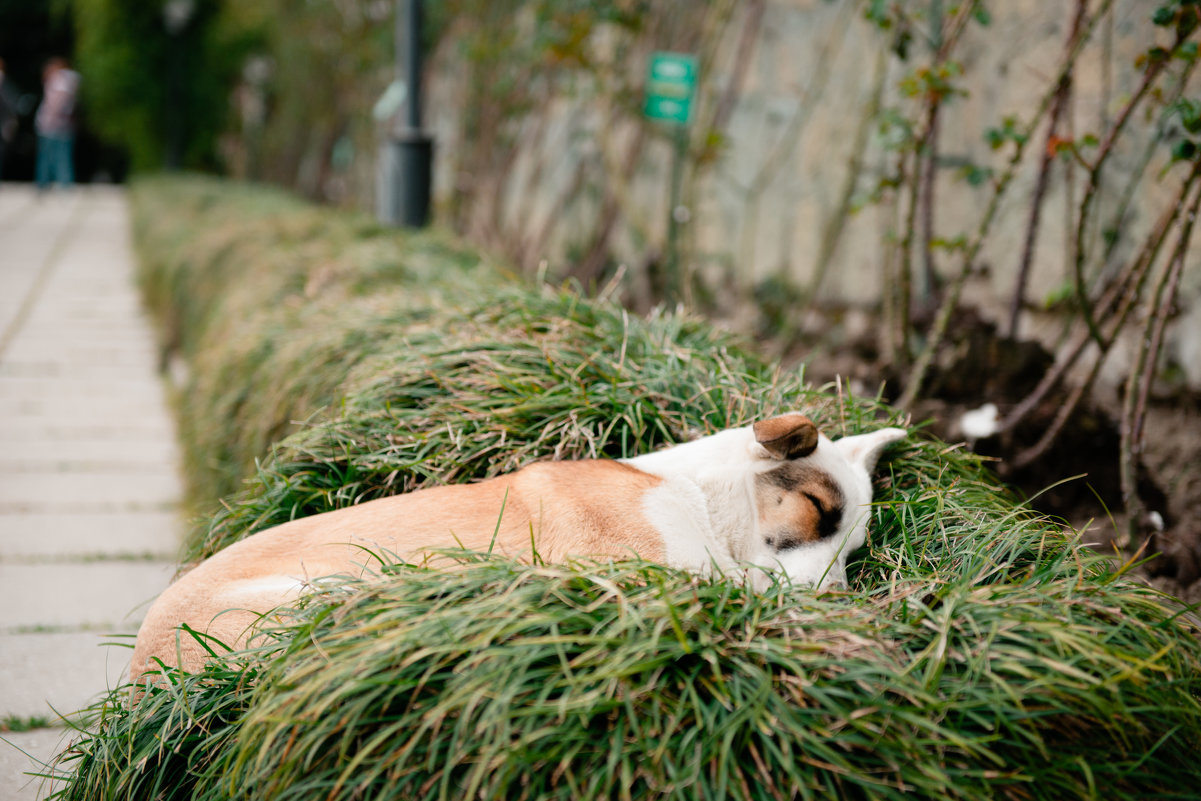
{"points": [[45, 270], [103, 629], [18, 724], [75, 466], [15, 724], [98, 557], [89, 508]]}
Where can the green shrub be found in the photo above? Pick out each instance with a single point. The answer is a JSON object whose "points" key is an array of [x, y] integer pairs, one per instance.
{"points": [[271, 302], [980, 651]]}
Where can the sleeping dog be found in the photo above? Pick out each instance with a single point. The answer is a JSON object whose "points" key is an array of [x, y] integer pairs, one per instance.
{"points": [[773, 496]]}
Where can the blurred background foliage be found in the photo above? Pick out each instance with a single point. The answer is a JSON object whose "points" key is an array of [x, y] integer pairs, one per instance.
{"points": [[158, 76]]}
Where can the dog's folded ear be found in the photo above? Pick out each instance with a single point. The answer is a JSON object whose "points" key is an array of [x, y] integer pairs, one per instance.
{"points": [[787, 436]]}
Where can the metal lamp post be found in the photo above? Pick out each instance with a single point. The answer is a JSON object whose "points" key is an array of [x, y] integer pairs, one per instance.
{"points": [[408, 156], [176, 16]]}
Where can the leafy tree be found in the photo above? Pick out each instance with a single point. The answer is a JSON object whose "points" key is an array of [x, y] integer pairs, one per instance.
{"points": [[157, 76]]}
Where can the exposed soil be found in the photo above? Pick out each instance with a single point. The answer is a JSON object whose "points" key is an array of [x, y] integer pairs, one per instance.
{"points": [[1077, 479]]}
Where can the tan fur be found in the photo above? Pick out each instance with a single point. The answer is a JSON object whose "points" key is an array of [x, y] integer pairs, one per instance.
{"points": [[569, 509], [792, 502], [787, 436]]}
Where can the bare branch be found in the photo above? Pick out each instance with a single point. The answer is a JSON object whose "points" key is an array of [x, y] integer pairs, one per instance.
{"points": [[1040, 185], [950, 301], [1117, 302], [1154, 68], [1142, 372]]}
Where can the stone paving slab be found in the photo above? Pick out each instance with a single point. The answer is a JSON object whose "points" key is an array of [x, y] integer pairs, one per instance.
{"points": [[91, 385], [58, 674], [34, 491], [31, 452], [100, 594], [104, 461], [72, 386], [133, 354], [82, 444], [73, 308], [121, 319], [45, 369], [25, 430], [28, 243], [78, 315], [58, 407], [60, 535], [23, 752]]}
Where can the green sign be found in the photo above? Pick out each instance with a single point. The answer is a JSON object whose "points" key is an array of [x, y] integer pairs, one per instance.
{"points": [[670, 87]]}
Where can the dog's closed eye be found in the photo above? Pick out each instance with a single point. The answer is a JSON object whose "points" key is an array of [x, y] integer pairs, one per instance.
{"points": [[784, 540], [828, 518]]}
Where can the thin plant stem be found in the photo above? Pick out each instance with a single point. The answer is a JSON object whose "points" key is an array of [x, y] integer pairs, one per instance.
{"points": [[1040, 185], [1142, 373], [1154, 68], [917, 375], [1119, 300]]}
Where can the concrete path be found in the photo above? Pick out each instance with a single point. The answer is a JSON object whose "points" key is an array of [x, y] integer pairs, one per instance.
{"points": [[89, 486]]}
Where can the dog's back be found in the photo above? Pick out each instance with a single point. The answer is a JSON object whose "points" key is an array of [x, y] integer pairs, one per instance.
{"points": [[559, 509]]}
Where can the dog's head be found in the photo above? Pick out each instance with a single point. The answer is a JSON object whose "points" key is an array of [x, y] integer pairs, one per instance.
{"points": [[811, 497]]}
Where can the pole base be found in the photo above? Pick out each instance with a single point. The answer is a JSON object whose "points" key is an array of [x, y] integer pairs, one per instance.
{"points": [[405, 179], [415, 156]]}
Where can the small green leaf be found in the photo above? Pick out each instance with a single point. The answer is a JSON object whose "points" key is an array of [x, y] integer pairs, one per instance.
{"points": [[877, 13], [1059, 295], [1184, 150], [1189, 111], [974, 175]]}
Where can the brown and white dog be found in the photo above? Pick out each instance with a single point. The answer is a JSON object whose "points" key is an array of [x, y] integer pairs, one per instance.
{"points": [[774, 496]]}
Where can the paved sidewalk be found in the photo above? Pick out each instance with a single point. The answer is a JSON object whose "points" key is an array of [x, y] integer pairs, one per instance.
{"points": [[89, 486]]}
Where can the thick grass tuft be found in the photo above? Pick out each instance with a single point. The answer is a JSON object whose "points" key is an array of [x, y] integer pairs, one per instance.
{"points": [[630, 680], [980, 650]]}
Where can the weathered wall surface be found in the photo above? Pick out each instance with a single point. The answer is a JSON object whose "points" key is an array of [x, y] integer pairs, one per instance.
{"points": [[787, 147]]}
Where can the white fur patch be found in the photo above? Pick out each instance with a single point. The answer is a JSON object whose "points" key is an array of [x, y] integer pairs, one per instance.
{"points": [[286, 587], [705, 509], [677, 509]]}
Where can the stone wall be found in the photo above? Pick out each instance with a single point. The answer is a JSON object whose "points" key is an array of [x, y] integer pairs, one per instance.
{"points": [[787, 148]]}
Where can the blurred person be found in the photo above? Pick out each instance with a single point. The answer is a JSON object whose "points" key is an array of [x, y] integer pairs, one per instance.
{"points": [[55, 125], [8, 114]]}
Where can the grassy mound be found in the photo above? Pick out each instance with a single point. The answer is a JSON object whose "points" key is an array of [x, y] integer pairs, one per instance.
{"points": [[980, 652], [271, 301]]}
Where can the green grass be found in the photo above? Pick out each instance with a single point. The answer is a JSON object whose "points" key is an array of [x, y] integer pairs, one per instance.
{"points": [[271, 302], [980, 651], [16, 723]]}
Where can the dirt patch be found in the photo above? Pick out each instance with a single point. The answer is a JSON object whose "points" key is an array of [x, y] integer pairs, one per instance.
{"points": [[1077, 479]]}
